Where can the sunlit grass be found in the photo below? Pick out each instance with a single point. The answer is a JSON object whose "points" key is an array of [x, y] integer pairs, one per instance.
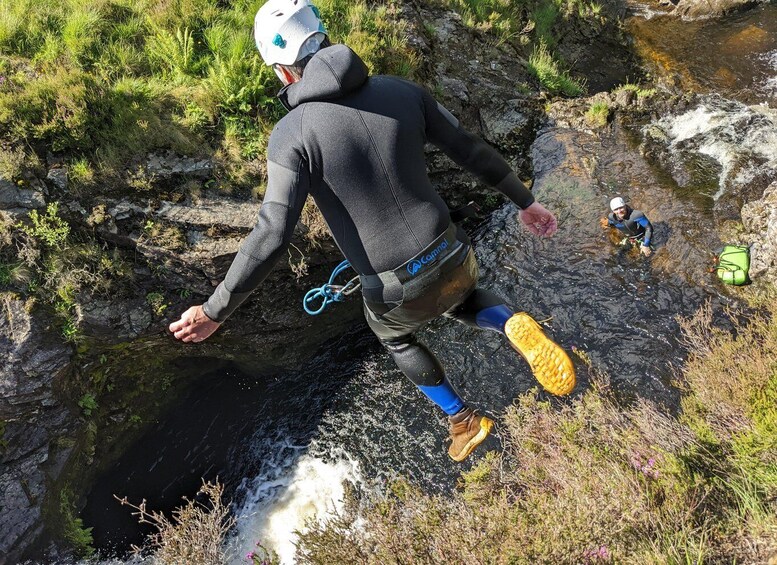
{"points": [[196, 78], [550, 74], [598, 114]]}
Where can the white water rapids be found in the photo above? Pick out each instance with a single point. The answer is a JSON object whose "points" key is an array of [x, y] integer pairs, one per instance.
{"points": [[741, 138]]}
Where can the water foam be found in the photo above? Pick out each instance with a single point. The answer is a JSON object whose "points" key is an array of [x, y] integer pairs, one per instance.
{"points": [[741, 138], [277, 507]]}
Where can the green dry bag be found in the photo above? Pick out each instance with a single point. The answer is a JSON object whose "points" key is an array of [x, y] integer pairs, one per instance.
{"points": [[733, 264]]}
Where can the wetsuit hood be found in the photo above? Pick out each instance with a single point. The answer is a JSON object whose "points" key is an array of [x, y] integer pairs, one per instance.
{"points": [[332, 73]]}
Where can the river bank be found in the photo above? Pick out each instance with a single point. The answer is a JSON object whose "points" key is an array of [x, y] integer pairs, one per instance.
{"points": [[95, 379]]}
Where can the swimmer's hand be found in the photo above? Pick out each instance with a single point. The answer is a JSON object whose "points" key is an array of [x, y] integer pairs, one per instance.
{"points": [[538, 220]]}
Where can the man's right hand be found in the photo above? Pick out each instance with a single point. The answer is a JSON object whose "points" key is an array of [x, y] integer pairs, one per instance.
{"points": [[538, 220], [194, 325], [604, 222]]}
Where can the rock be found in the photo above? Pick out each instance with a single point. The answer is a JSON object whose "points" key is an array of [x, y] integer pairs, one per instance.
{"points": [[696, 9], [165, 166], [58, 177], [211, 211], [124, 209], [760, 220], [455, 88], [123, 320], [625, 97], [692, 9], [507, 126], [33, 360], [13, 197]]}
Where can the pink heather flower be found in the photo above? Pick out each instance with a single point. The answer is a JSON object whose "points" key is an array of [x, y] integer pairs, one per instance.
{"points": [[250, 555]]}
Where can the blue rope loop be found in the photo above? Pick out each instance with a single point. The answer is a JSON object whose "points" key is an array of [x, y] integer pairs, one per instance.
{"points": [[328, 293]]}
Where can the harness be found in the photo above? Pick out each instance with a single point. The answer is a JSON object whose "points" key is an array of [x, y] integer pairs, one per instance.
{"points": [[393, 285]]}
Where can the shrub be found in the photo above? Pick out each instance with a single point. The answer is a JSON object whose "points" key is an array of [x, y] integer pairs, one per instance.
{"points": [[48, 229], [599, 481], [197, 532]]}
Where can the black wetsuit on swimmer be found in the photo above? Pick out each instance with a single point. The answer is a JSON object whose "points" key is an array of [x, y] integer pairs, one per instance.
{"points": [[356, 145], [635, 226]]}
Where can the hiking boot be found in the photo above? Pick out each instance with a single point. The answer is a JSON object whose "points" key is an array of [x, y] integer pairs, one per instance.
{"points": [[550, 364], [468, 430]]}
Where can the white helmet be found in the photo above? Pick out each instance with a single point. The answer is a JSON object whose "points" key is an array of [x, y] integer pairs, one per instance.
{"points": [[616, 203], [286, 31]]}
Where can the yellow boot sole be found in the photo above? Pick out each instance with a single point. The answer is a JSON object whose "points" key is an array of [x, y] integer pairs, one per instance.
{"points": [[485, 428], [550, 364]]}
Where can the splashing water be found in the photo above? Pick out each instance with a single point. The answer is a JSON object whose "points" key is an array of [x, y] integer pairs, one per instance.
{"points": [[277, 507], [741, 138]]}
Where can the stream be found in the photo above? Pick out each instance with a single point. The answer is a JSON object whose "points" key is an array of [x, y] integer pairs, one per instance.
{"points": [[283, 444]]}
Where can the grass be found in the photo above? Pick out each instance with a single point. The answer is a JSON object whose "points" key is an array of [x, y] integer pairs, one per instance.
{"points": [[105, 81], [598, 114], [550, 74], [636, 89]]}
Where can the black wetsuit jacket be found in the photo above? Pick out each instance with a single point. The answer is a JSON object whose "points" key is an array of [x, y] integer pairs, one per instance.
{"points": [[356, 144], [635, 224]]}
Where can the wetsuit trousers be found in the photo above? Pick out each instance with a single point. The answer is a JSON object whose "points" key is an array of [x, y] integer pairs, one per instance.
{"points": [[453, 294]]}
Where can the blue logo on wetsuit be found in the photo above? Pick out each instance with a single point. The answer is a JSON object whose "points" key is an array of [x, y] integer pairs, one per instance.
{"points": [[417, 264]]}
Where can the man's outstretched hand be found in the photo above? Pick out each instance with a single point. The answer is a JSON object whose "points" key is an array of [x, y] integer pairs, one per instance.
{"points": [[194, 325], [538, 220]]}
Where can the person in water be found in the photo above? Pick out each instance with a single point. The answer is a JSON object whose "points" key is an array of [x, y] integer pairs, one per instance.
{"points": [[355, 143], [631, 223]]}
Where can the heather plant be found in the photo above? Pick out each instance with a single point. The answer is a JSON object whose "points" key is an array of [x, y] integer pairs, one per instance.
{"points": [[595, 481], [195, 534]]}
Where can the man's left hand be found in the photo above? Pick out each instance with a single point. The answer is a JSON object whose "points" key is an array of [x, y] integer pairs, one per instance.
{"points": [[538, 220], [194, 325], [645, 250]]}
